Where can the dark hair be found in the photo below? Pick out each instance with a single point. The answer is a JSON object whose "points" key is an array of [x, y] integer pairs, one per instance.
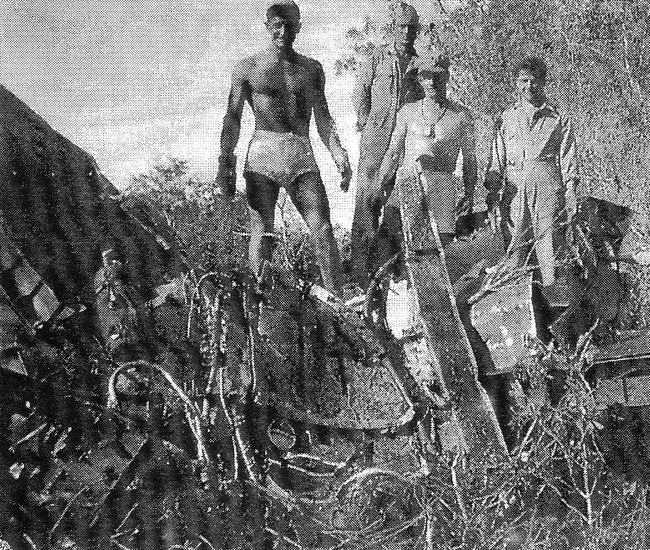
{"points": [[288, 12], [533, 65]]}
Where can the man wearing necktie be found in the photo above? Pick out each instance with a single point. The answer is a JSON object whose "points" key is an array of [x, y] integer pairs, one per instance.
{"points": [[533, 164]]}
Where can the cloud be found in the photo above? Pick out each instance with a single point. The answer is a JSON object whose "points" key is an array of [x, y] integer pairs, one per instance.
{"points": [[134, 81]]}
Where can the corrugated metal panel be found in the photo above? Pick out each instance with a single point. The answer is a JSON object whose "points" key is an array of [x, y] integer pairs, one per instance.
{"points": [[60, 212]]}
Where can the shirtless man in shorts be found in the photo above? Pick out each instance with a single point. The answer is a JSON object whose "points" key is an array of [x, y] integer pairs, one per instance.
{"points": [[428, 137], [283, 88]]}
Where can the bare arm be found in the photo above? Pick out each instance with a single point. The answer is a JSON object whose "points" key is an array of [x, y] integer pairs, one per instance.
{"points": [[327, 128], [239, 92]]}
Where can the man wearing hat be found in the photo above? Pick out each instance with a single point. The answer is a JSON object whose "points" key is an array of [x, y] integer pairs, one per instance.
{"points": [[385, 82], [283, 88], [428, 137], [534, 160]]}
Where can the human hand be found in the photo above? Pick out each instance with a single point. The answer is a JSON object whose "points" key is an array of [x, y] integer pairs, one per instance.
{"points": [[226, 178], [343, 165], [466, 204]]}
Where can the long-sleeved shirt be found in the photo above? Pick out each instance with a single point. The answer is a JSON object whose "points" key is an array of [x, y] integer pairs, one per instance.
{"points": [[546, 137], [381, 89]]}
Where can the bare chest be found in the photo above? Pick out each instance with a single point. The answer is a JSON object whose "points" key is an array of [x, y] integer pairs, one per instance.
{"points": [[281, 79], [437, 125]]}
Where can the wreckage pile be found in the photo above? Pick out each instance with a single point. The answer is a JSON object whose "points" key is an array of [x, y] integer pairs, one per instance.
{"points": [[140, 385]]}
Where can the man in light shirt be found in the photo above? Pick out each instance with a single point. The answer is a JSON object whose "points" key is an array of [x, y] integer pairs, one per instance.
{"points": [[533, 163], [386, 82]]}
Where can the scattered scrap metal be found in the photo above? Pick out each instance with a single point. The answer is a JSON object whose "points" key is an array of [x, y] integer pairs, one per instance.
{"points": [[72, 250]]}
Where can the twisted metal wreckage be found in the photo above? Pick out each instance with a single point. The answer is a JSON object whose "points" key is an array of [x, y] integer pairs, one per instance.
{"points": [[437, 375]]}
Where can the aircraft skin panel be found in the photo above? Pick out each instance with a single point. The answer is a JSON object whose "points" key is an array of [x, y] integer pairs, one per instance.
{"points": [[443, 329]]}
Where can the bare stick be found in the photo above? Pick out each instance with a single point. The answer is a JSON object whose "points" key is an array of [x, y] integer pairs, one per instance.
{"points": [[65, 511]]}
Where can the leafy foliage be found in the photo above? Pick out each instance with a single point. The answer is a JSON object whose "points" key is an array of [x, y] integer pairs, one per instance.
{"points": [[361, 43], [78, 474], [597, 54]]}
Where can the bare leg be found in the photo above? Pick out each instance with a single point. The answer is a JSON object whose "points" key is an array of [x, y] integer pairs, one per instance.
{"points": [[262, 194], [308, 194]]}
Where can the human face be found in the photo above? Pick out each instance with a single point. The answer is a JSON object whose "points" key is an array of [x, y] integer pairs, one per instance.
{"points": [[530, 88], [283, 32], [434, 85], [405, 36]]}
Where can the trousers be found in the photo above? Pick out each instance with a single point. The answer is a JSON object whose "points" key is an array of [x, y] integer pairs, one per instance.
{"points": [[536, 217]]}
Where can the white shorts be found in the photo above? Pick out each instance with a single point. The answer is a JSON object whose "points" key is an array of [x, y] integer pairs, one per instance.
{"points": [[279, 156]]}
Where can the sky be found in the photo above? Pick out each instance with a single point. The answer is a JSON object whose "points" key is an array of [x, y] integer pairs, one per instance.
{"points": [[135, 82]]}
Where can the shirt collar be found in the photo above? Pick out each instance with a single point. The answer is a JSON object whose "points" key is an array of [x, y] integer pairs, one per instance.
{"points": [[545, 108], [411, 51]]}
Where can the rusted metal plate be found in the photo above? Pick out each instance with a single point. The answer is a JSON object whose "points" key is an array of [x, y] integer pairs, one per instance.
{"points": [[630, 391], [452, 362], [505, 321], [629, 345], [315, 361]]}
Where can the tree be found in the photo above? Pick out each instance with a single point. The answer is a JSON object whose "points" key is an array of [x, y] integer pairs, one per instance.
{"points": [[598, 54]]}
